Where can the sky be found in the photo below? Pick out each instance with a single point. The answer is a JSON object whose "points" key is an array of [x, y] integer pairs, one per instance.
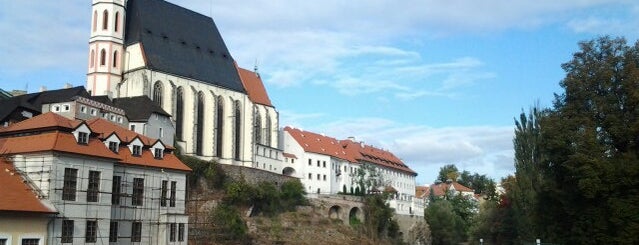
{"points": [[434, 82]]}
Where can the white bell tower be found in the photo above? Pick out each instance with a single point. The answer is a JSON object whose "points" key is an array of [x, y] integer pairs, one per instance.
{"points": [[106, 46]]}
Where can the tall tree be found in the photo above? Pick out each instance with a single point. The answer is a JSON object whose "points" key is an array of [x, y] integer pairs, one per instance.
{"points": [[590, 178], [448, 171]]}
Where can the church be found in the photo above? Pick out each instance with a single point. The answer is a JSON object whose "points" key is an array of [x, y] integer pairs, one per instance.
{"points": [[178, 59]]}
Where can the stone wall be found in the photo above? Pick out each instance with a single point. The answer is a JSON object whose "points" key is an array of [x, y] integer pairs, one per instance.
{"points": [[253, 175]]}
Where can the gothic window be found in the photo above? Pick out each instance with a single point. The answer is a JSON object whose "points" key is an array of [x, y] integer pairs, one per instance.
{"points": [[102, 57], [157, 93], [92, 61], [238, 130], [95, 20], [105, 19], [115, 59], [258, 127], [200, 124], [116, 21], [219, 131], [179, 112], [267, 130]]}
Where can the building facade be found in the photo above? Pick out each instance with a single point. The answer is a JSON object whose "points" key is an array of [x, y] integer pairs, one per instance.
{"points": [[106, 184]]}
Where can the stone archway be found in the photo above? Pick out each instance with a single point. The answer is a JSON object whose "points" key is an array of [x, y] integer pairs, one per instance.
{"points": [[355, 215], [288, 171], [334, 212]]}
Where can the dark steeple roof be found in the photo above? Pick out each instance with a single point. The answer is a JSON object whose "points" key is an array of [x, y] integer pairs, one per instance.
{"points": [[181, 42], [139, 108]]}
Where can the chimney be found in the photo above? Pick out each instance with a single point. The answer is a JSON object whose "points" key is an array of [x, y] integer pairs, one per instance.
{"points": [[68, 85], [43, 88], [351, 138]]}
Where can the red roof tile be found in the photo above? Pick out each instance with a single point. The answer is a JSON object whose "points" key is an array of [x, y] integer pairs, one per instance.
{"points": [[54, 141], [421, 191], [254, 87], [441, 188], [320, 144], [16, 196], [169, 161], [362, 152], [289, 155], [104, 129], [47, 120]]}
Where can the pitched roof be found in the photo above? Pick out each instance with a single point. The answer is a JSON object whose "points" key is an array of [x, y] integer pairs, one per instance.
{"points": [[169, 161], [320, 144], [421, 191], [16, 195], [54, 141], [47, 121], [441, 188], [367, 153], [254, 87], [139, 108], [105, 128], [34, 101], [289, 155], [179, 41]]}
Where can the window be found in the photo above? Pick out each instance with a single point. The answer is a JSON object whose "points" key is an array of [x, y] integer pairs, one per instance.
{"points": [[115, 190], [318, 176], [83, 138], [115, 59], [94, 186], [132, 127], [219, 126], [292, 160], [92, 59], [112, 118], [157, 93], [160, 133], [310, 176], [91, 231], [173, 190], [3, 241], [70, 183], [163, 193], [310, 162], [67, 231], [93, 112], [56, 108], [116, 22], [66, 108], [324, 164], [113, 146], [113, 231], [137, 150], [119, 119], [267, 130], [105, 19], [172, 232], [318, 163], [158, 153], [95, 20], [83, 109], [324, 177], [179, 115], [28, 241], [136, 232], [138, 192], [237, 131], [199, 127], [258, 127], [102, 57], [181, 232]]}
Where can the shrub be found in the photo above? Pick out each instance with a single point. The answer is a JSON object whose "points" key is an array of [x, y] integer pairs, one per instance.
{"points": [[229, 224]]}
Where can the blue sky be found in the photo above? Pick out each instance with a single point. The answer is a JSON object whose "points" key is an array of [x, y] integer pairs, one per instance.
{"points": [[435, 82]]}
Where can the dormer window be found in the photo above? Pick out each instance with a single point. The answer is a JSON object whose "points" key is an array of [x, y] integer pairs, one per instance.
{"points": [[113, 146], [83, 138], [137, 150], [158, 153]]}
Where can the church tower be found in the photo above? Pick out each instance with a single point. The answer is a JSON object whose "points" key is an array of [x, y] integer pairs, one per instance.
{"points": [[106, 46]]}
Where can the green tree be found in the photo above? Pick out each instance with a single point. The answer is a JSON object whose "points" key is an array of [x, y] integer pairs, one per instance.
{"points": [[368, 179], [590, 138], [446, 226], [378, 216], [446, 172]]}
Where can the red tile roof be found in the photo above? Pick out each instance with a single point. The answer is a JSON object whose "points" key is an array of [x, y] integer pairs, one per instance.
{"points": [[346, 149], [254, 87], [289, 155], [65, 142], [320, 144], [54, 141], [441, 188], [16, 196], [45, 121], [362, 152], [421, 191]]}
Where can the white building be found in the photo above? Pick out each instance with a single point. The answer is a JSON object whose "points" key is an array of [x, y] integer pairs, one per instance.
{"points": [[184, 66], [326, 165], [107, 184]]}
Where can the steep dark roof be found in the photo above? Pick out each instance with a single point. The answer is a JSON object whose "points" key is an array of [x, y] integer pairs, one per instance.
{"points": [[139, 108], [179, 41], [34, 101], [103, 99]]}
